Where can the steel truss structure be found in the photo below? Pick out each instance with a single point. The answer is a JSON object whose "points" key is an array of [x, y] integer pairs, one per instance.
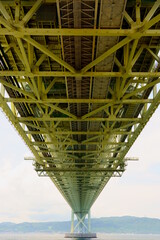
{"points": [[79, 80]]}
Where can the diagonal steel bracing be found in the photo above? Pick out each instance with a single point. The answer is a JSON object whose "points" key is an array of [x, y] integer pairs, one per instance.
{"points": [[78, 103]]}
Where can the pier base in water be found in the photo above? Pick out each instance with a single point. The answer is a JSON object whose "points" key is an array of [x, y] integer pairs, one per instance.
{"points": [[80, 235]]}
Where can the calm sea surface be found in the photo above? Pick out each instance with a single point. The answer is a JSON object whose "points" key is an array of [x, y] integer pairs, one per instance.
{"points": [[11, 236]]}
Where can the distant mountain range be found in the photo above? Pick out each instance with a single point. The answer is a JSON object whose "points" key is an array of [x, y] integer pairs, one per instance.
{"points": [[125, 224]]}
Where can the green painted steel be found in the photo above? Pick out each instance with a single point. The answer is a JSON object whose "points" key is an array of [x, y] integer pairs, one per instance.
{"points": [[78, 91]]}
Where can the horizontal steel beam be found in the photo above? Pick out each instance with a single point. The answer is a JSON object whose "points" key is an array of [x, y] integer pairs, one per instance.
{"points": [[66, 119], [78, 170], [78, 101], [24, 3], [57, 133], [78, 143], [58, 74], [93, 163], [94, 175], [8, 73], [21, 32]]}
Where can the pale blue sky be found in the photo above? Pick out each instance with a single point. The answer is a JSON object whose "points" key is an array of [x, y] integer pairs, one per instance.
{"points": [[26, 197]]}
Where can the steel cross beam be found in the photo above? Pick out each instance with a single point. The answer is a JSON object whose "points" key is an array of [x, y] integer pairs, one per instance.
{"points": [[77, 74], [77, 32], [35, 94]]}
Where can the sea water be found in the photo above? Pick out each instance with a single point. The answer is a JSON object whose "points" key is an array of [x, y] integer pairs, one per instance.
{"points": [[44, 236]]}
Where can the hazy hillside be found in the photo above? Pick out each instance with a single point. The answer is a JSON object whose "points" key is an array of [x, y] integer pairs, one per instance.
{"points": [[106, 225], [126, 225]]}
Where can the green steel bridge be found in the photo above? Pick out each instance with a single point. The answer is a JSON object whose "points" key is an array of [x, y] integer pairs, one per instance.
{"points": [[79, 80]]}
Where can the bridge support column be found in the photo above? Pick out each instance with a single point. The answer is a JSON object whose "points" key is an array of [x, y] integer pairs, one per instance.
{"points": [[89, 221], [72, 222], [81, 229]]}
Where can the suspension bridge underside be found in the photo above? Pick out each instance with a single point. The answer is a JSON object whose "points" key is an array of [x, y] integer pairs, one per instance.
{"points": [[79, 80]]}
